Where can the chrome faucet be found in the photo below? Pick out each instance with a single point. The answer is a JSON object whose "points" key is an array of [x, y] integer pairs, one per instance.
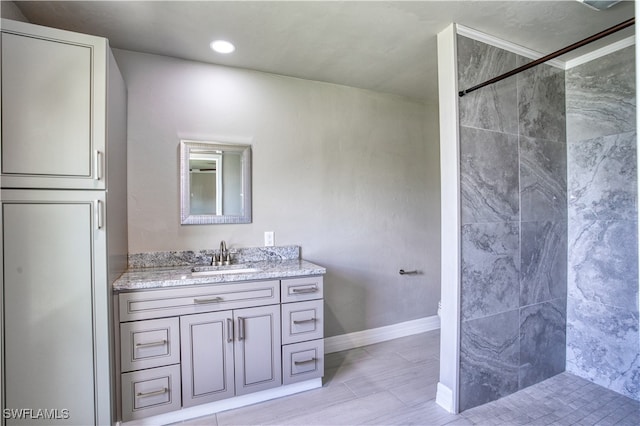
{"points": [[223, 258], [223, 249]]}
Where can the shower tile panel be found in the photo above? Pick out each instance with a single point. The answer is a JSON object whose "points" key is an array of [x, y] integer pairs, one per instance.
{"points": [[543, 182], [490, 261], [601, 96], [542, 341], [488, 176], [603, 263], [602, 346], [488, 358], [602, 178], [541, 102], [543, 268], [493, 107]]}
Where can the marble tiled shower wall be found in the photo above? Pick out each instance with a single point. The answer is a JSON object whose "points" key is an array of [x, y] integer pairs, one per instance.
{"points": [[514, 224], [602, 307]]}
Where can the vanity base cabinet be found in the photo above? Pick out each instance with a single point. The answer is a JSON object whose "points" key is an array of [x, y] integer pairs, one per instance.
{"points": [[235, 339]]}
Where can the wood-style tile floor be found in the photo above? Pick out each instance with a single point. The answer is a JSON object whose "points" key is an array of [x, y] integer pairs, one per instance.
{"points": [[394, 383]]}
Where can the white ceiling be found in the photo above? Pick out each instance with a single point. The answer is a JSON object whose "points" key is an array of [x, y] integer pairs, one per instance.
{"points": [[387, 46]]}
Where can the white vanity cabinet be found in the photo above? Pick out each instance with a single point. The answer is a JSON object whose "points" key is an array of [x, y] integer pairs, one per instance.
{"points": [[183, 347]]}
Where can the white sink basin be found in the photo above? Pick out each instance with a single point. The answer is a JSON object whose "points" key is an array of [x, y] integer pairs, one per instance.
{"points": [[225, 271]]}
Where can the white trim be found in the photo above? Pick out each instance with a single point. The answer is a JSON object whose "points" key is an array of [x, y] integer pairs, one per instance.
{"points": [[450, 227], [444, 398], [505, 45], [347, 341], [533, 54], [225, 404], [603, 51]]}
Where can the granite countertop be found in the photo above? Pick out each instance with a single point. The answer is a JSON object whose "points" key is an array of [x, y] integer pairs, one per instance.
{"points": [[165, 277]]}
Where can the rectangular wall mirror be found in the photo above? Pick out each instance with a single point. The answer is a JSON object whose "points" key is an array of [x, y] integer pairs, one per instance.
{"points": [[215, 183]]}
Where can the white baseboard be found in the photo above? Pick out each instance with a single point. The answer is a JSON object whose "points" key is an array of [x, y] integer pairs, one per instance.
{"points": [[225, 404], [347, 341], [444, 398]]}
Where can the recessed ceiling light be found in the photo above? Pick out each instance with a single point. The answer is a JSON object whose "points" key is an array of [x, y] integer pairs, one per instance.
{"points": [[222, 46]]}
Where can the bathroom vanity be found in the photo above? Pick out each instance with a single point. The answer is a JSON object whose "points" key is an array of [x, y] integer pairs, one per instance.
{"points": [[194, 341]]}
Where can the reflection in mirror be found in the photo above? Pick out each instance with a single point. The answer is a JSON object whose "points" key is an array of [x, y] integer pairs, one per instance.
{"points": [[215, 182]]}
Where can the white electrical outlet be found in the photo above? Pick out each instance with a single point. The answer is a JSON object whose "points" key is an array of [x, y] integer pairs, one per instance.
{"points": [[269, 239]]}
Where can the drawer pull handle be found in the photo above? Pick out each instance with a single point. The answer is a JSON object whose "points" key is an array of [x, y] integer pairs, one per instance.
{"points": [[229, 330], [240, 328], [146, 345], [209, 300], [153, 393], [99, 214], [306, 361], [303, 321], [305, 290], [97, 165]]}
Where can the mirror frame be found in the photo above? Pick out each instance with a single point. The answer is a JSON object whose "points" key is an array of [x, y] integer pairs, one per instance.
{"points": [[186, 218]]}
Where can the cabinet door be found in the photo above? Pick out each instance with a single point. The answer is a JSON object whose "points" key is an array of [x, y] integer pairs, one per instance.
{"points": [[207, 357], [53, 108], [257, 349], [55, 307]]}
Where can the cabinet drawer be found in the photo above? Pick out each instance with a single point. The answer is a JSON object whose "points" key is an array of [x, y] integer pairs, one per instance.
{"points": [[302, 361], [150, 392], [302, 321], [151, 343], [194, 300], [299, 289]]}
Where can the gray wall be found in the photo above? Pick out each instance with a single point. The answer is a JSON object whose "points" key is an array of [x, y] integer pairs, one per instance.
{"points": [[9, 10], [602, 307], [514, 237], [352, 176]]}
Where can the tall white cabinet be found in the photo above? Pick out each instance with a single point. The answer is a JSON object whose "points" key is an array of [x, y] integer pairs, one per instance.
{"points": [[63, 218]]}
